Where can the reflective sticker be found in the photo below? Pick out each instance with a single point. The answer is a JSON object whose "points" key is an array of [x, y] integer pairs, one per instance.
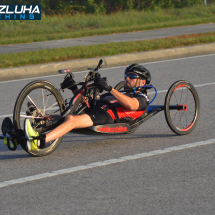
{"points": [[5, 140], [48, 87]]}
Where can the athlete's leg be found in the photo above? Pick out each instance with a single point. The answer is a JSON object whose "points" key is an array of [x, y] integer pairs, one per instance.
{"points": [[71, 122], [93, 117]]}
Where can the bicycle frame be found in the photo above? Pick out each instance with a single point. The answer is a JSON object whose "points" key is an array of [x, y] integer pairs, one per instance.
{"points": [[116, 127], [80, 95]]}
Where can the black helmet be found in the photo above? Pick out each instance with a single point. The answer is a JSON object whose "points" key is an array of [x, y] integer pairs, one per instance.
{"points": [[140, 70]]}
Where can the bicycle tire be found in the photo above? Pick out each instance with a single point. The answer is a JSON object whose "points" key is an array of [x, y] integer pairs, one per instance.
{"points": [[184, 119], [27, 90], [120, 86]]}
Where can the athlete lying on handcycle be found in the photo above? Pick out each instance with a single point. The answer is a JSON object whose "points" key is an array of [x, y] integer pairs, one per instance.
{"points": [[112, 107], [119, 111]]}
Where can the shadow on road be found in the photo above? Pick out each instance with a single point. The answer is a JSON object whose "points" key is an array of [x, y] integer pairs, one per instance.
{"points": [[89, 141], [15, 156], [115, 137]]}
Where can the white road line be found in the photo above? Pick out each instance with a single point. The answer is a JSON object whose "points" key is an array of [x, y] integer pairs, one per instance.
{"points": [[105, 163], [198, 85], [7, 115], [161, 61], [39, 77], [176, 59]]}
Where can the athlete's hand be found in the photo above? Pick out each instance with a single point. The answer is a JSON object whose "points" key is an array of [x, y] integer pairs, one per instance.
{"points": [[100, 82]]}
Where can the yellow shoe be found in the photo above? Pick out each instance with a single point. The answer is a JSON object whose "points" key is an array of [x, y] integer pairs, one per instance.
{"points": [[5, 142], [30, 132]]}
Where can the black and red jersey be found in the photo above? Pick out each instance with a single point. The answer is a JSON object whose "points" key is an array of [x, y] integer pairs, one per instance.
{"points": [[118, 113]]}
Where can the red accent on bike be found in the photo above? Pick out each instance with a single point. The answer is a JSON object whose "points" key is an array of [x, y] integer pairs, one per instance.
{"points": [[110, 112], [123, 112], [104, 106], [114, 130], [80, 93], [178, 107], [182, 85], [185, 107], [86, 101], [186, 129], [45, 118], [114, 101], [182, 107]]}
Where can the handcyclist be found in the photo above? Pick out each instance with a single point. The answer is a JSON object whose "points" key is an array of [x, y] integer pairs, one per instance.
{"points": [[110, 107]]}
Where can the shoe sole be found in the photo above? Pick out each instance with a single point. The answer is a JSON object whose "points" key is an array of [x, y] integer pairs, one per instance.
{"points": [[26, 135]]}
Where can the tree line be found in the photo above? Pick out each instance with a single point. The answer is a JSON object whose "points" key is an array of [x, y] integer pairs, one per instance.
{"points": [[103, 6]]}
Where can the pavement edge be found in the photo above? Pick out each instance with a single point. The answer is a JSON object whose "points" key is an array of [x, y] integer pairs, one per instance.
{"points": [[109, 61]]}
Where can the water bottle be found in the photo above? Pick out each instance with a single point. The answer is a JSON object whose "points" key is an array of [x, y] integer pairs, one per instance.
{"points": [[62, 71]]}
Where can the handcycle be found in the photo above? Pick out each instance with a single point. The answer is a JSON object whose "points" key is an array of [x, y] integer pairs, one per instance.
{"points": [[43, 104]]}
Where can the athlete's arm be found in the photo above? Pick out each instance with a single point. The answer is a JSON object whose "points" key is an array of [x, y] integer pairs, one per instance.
{"points": [[75, 91], [125, 101]]}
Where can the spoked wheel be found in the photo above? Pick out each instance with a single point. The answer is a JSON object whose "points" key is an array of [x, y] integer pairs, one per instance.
{"points": [[40, 102], [182, 107], [120, 86]]}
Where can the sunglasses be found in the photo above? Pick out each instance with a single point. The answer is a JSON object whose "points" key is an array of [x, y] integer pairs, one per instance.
{"points": [[132, 76]]}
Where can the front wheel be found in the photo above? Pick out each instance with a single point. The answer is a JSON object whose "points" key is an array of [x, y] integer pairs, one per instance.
{"points": [[40, 102], [182, 107]]}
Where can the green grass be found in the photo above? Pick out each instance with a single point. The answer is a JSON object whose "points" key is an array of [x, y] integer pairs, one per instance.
{"points": [[108, 49], [80, 25]]}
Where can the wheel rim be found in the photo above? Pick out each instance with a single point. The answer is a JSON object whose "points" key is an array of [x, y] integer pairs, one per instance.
{"points": [[184, 115], [40, 106], [120, 86]]}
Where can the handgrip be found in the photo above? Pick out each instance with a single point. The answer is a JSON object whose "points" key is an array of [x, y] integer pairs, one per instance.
{"points": [[100, 63]]}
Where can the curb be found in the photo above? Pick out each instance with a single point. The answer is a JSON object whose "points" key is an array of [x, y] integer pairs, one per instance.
{"points": [[109, 61]]}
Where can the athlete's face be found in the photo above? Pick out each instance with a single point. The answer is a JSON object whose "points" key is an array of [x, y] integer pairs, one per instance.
{"points": [[133, 82]]}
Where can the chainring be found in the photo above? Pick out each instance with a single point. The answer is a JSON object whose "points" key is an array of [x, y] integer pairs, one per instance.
{"points": [[37, 113]]}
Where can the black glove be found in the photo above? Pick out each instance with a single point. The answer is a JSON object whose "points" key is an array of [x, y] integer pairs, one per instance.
{"points": [[73, 87], [68, 82], [100, 82]]}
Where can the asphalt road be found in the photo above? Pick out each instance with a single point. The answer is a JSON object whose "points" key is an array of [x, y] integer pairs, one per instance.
{"points": [[84, 41], [175, 182]]}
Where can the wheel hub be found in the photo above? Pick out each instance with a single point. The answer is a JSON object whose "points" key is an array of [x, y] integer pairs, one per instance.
{"points": [[37, 113], [184, 107]]}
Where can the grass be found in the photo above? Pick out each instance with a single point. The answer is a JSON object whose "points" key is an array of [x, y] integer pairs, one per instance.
{"points": [[80, 25], [108, 49]]}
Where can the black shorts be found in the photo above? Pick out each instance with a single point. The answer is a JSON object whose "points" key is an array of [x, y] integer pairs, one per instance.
{"points": [[99, 117]]}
